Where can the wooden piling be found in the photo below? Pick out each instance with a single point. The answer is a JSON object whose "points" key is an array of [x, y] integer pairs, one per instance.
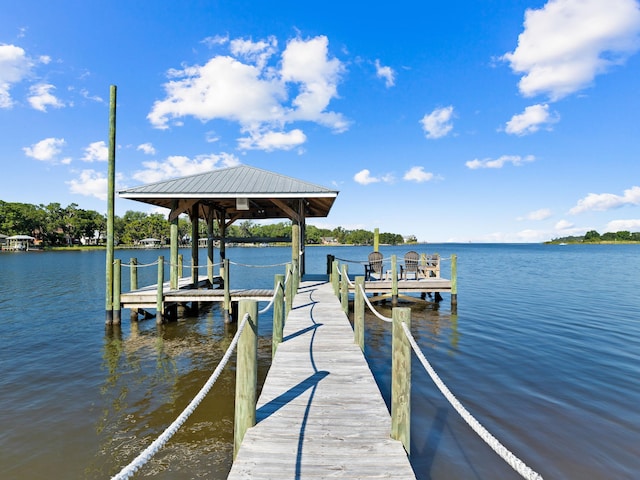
{"points": [[159, 294], [174, 272], [278, 313], [401, 379], [117, 288], [246, 374], [226, 306], [335, 277], [133, 284], [111, 180], [344, 289], [376, 240], [394, 280], [454, 284], [358, 313]]}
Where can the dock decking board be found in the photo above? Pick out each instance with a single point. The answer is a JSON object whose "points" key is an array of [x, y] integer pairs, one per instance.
{"points": [[320, 413]]}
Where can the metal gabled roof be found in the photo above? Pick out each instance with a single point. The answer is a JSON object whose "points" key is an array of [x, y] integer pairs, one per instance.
{"points": [[266, 191]]}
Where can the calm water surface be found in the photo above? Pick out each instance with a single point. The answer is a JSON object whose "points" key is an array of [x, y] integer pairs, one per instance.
{"points": [[544, 351]]}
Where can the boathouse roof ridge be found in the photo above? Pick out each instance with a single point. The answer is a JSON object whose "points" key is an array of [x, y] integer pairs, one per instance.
{"points": [[221, 188]]}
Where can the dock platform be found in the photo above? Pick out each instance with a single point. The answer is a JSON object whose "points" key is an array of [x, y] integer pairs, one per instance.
{"points": [[320, 413]]}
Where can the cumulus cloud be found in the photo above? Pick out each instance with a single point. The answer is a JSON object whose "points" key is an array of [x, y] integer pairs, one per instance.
{"points": [[46, 150], [437, 124], [146, 148], [40, 97], [500, 162], [530, 121], [622, 225], [566, 43], [607, 201], [537, 215], [261, 96], [563, 225], [270, 141], [179, 166], [385, 73], [417, 174], [364, 177], [96, 152], [15, 65], [89, 183]]}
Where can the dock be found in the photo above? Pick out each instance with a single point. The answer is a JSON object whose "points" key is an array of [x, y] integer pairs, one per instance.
{"points": [[320, 413]]}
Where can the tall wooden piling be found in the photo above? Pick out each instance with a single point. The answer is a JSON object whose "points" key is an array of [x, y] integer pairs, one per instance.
{"points": [[133, 284], [117, 288], [376, 240], [111, 179], [401, 379], [246, 374], [160, 293], [454, 284], [358, 313], [289, 290], [344, 289], [227, 292], [394, 280]]}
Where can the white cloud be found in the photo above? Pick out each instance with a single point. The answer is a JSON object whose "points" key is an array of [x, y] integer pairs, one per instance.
{"points": [[563, 225], [40, 97], [96, 152], [248, 91], [14, 67], [270, 141], [45, 150], [417, 174], [146, 148], [364, 177], [437, 124], [385, 73], [516, 160], [90, 183], [180, 166], [566, 43], [537, 215], [622, 225], [530, 120], [607, 201], [215, 40]]}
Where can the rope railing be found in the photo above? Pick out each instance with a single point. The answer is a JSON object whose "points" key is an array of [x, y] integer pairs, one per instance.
{"points": [[372, 308], [138, 265], [256, 266], [272, 301], [513, 461], [158, 443]]}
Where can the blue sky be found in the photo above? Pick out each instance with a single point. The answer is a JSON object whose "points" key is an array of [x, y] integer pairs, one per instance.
{"points": [[501, 121]]}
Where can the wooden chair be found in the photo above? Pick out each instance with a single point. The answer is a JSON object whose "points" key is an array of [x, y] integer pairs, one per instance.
{"points": [[410, 265], [430, 266], [374, 266]]}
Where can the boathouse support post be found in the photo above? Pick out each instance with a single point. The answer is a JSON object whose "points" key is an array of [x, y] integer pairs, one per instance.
{"points": [[180, 266], [358, 313], [160, 293], [117, 288], [295, 242], [295, 265], [401, 379], [174, 274], [111, 180], [246, 374], [344, 289], [454, 283], [288, 290], [227, 292], [394, 280], [194, 246], [278, 313], [210, 261]]}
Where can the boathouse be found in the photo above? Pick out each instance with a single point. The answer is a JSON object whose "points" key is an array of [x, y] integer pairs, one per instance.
{"points": [[236, 193]]}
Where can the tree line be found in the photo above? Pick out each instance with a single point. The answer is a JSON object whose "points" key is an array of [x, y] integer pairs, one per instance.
{"points": [[54, 225], [592, 236]]}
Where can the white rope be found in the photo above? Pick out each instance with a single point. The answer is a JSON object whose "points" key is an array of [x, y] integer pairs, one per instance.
{"points": [[372, 308], [513, 461], [273, 299], [152, 449], [140, 265], [256, 266]]}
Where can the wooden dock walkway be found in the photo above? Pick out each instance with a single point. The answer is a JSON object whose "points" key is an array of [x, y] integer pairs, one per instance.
{"points": [[320, 413]]}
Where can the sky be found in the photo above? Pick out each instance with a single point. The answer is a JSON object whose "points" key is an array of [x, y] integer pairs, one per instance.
{"points": [[463, 121]]}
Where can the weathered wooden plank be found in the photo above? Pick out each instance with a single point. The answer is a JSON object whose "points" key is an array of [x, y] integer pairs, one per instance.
{"points": [[320, 413]]}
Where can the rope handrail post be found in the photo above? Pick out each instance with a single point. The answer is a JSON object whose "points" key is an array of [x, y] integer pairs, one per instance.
{"points": [[227, 291], [117, 289], [160, 293], [394, 280], [246, 374], [358, 313], [289, 290], [401, 379], [454, 283], [344, 288], [278, 313], [133, 285], [335, 277]]}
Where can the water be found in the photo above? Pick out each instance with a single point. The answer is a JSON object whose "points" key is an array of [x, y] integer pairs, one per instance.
{"points": [[544, 351]]}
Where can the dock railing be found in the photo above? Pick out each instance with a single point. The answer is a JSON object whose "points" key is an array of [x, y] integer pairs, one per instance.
{"points": [[403, 343]]}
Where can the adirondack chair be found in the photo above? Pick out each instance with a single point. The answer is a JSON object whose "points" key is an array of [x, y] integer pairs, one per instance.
{"points": [[410, 265], [374, 266]]}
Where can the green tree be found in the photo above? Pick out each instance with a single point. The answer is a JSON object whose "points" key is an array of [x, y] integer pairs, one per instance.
{"points": [[592, 236]]}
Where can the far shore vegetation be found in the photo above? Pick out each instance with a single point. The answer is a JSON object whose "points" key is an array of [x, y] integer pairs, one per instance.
{"points": [[593, 237], [54, 226]]}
